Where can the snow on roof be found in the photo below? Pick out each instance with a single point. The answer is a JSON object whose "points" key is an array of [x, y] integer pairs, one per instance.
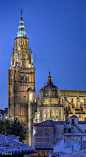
{"points": [[9, 145]]}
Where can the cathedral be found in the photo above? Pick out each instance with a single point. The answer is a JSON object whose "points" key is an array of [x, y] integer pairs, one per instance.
{"points": [[52, 103]]}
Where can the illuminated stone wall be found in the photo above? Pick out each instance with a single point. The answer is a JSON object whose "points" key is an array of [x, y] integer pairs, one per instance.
{"points": [[17, 92], [21, 76], [58, 104], [75, 101]]}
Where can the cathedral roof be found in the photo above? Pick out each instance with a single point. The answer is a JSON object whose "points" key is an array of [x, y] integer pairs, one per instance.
{"points": [[50, 90]]}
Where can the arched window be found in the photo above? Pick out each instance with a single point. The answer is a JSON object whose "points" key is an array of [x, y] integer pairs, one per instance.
{"points": [[27, 78], [29, 59], [69, 130], [21, 78], [73, 121], [72, 100], [81, 108]]}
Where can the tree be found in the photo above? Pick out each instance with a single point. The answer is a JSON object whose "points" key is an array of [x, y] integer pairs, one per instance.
{"points": [[14, 128], [19, 129], [2, 127]]}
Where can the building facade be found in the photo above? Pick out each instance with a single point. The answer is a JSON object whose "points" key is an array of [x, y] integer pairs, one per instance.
{"points": [[56, 104], [59, 136], [21, 79], [52, 103], [21, 76]]}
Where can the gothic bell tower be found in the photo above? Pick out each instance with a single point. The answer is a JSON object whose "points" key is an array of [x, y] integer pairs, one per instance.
{"points": [[21, 76]]}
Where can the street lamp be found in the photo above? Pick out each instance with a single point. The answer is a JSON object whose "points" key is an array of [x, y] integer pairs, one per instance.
{"points": [[5, 126]]}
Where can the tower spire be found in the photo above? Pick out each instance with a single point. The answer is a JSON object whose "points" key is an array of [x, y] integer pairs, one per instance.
{"points": [[49, 72], [21, 13], [21, 31]]}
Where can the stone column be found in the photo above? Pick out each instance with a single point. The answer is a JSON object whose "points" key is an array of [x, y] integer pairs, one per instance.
{"points": [[29, 123], [31, 98]]}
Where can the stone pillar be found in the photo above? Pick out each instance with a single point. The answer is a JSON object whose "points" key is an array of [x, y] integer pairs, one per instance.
{"points": [[31, 98], [40, 115], [29, 124], [77, 99], [77, 103], [50, 113]]}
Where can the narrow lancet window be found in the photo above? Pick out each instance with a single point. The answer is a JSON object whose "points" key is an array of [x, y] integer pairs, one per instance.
{"points": [[21, 78], [27, 79]]}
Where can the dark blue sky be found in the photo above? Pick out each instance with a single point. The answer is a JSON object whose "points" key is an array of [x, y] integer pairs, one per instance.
{"points": [[57, 37]]}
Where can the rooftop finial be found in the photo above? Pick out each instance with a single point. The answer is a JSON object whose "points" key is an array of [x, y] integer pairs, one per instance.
{"points": [[21, 12], [49, 79]]}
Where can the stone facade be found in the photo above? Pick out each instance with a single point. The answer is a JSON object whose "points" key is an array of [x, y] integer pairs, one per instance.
{"points": [[59, 136], [52, 103], [21, 80], [56, 104]]}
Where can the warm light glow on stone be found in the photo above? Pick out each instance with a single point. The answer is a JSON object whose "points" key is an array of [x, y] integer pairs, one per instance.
{"points": [[30, 96]]}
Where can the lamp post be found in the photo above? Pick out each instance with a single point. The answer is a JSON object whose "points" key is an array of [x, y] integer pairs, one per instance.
{"points": [[5, 126]]}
